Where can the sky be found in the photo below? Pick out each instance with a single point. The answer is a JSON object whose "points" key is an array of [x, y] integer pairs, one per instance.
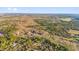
{"points": [[52, 10]]}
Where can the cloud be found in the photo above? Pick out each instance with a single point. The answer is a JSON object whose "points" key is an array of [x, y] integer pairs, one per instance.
{"points": [[15, 9], [12, 9]]}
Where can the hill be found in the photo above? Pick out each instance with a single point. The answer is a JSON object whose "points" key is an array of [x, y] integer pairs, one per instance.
{"points": [[37, 32]]}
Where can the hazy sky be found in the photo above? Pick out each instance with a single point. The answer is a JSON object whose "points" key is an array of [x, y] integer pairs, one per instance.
{"points": [[63, 10]]}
